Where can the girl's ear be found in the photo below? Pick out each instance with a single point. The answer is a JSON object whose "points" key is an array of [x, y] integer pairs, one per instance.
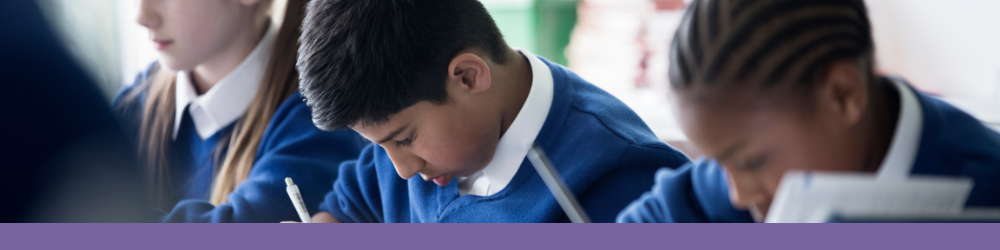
{"points": [[844, 91], [470, 73]]}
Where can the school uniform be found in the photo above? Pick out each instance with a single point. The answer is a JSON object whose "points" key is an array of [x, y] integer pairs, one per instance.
{"points": [[931, 138], [291, 146], [603, 151]]}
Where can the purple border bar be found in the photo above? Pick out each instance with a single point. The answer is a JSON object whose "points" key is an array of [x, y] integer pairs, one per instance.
{"points": [[500, 236]]}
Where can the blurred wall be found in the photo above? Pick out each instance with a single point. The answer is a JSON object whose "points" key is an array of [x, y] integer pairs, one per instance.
{"points": [[947, 47], [89, 30], [540, 26], [951, 48]]}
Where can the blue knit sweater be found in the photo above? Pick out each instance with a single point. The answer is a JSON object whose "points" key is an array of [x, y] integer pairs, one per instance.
{"points": [[603, 151], [952, 143], [291, 147]]}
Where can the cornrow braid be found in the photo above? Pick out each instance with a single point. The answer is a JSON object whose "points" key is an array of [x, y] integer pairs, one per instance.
{"points": [[767, 41]]}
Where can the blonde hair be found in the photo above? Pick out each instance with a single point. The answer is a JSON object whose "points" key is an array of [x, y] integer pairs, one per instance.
{"points": [[240, 146]]}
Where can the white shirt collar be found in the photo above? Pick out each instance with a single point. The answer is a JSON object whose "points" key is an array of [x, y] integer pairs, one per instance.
{"points": [[905, 141], [518, 138], [230, 97]]}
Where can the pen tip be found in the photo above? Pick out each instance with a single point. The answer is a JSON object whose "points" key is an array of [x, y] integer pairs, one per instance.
{"points": [[288, 180]]}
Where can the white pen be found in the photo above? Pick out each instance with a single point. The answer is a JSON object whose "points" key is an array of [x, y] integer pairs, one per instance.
{"points": [[300, 206]]}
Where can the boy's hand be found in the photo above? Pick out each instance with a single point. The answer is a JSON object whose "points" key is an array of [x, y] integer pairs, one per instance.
{"points": [[324, 217]]}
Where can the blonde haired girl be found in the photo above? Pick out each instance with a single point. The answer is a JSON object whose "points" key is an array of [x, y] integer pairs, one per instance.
{"points": [[218, 121]]}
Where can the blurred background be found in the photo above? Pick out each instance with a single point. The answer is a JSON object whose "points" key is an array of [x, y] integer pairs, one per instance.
{"points": [[948, 48]]}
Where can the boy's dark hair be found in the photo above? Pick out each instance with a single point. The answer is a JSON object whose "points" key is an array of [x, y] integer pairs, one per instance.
{"points": [[768, 41], [365, 60]]}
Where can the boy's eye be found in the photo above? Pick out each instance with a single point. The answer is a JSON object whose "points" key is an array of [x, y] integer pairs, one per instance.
{"points": [[404, 142], [753, 163]]}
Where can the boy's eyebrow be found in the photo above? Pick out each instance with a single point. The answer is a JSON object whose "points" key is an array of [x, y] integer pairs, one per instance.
{"points": [[728, 152], [393, 134]]}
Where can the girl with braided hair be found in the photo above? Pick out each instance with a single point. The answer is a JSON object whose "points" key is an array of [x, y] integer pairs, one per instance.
{"points": [[763, 87]]}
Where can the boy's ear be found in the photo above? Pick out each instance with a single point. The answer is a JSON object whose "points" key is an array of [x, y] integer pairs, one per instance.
{"points": [[470, 72], [844, 91]]}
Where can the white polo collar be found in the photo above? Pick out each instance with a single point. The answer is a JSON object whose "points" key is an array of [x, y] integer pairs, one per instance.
{"points": [[230, 98], [518, 138], [905, 141]]}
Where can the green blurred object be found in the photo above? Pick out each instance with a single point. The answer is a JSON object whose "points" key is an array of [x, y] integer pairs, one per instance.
{"points": [[540, 26]]}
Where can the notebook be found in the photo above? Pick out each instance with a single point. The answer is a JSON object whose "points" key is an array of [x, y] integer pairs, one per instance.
{"points": [[815, 196], [965, 216]]}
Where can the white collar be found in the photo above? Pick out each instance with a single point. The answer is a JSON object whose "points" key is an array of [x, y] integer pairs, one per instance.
{"points": [[230, 97], [518, 138], [903, 151]]}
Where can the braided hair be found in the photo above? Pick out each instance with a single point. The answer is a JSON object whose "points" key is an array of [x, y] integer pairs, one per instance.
{"points": [[767, 41]]}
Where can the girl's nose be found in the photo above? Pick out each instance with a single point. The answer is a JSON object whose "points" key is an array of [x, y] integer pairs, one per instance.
{"points": [[147, 17], [743, 190]]}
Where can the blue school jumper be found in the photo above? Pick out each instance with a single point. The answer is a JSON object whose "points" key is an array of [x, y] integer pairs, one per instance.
{"points": [[600, 147], [291, 147], [952, 143]]}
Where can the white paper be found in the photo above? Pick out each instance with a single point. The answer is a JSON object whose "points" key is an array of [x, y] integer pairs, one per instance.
{"points": [[966, 215], [813, 196]]}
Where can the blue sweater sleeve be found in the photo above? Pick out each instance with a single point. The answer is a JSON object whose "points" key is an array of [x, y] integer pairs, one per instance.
{"points": [[604, 199], [291, 147], [696, 192], [358, 195]]}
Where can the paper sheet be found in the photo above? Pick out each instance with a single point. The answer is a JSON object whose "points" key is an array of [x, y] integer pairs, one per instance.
{"points": [[813, 196]]}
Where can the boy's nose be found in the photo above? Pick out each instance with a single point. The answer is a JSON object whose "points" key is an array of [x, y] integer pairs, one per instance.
{"points": [[406, 165]]}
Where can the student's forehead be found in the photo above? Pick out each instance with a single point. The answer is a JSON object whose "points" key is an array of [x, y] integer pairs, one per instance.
{"points": [[715, 133], [712, 106], [715, 122], [376, 130]]}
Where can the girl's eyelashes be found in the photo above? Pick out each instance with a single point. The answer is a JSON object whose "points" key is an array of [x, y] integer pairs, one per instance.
{"points": [[404, 142]]}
